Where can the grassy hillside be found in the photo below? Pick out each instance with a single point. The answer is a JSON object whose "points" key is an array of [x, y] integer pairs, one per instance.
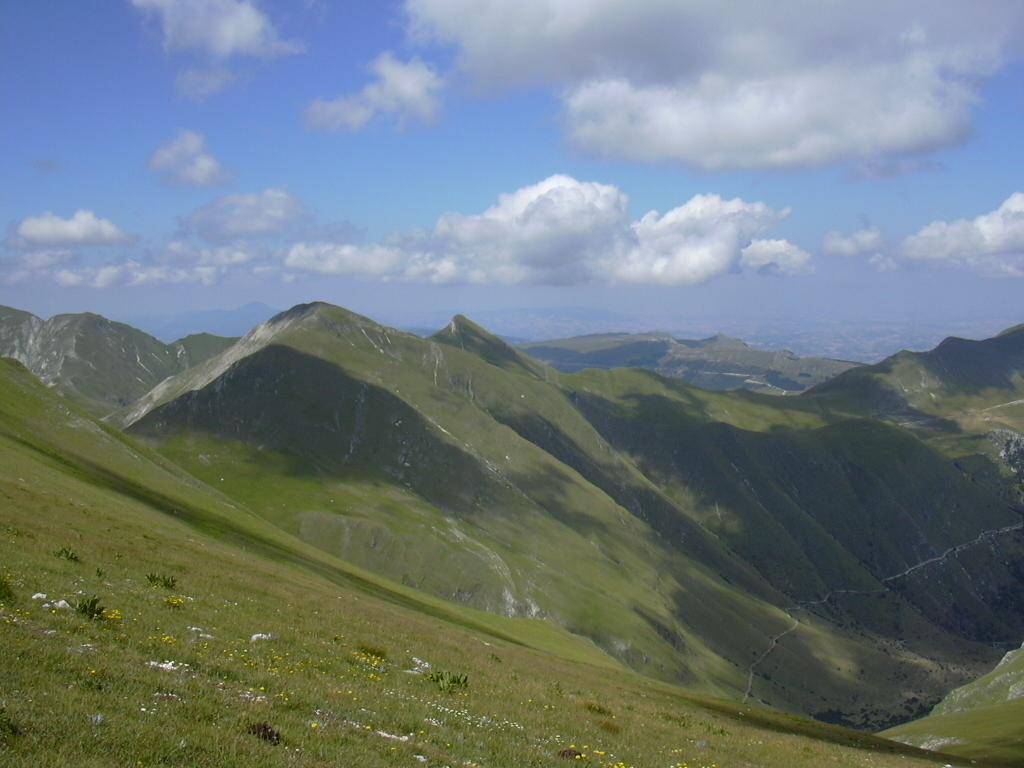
{"points": [[959, 390], [217, 640], [718, 363], [743, 545], [980, 719], [101, 364], [334, 428]]}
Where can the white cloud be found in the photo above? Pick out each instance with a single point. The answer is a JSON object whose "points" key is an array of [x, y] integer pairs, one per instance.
{"points": [[992, 243], [91, 277], [185, 160], [563, 231], [220, 28], [32, 264], [775, 256], [198, 84], [863, 241], [133, 274], [84, 228], [747, 85], [403, 89], [342, 258], [258, 214], [698, 240]]}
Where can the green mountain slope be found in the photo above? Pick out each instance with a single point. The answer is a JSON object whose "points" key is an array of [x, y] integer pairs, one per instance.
{"points": [[980, 719], [961, 386], [101, 364], [752, 546], [333, 427], [218, 640], [718, 363]]}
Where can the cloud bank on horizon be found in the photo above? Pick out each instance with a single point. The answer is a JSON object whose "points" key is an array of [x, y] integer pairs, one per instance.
{"points": [[699, 86]]}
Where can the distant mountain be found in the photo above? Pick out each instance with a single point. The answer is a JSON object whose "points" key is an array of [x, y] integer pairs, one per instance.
{"points": [[222, 322], [793, 550], [102, 364], [962, 384], [718, 363]]}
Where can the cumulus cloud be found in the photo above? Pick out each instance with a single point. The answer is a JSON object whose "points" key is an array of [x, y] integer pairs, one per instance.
{"points": [[563, 231], [775, 256], [241, 216], [767, 86], [406, 90], [185, 160], [219, 28], [992, 243], [84, 228], [342, 258]]}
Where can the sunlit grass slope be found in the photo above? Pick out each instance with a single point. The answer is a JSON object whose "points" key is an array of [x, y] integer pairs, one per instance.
{"points": [[214, 640]]}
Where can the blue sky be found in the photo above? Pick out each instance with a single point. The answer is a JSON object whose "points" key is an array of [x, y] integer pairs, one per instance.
{"points": [[359, 153]]}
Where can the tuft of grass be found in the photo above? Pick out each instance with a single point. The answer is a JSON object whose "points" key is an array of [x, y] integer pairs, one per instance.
{"points": [[448, 682], [161, 580], [90, 608], [597, 709], [65, 553]]}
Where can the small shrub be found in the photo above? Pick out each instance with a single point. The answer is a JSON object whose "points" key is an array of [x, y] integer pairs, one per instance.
{"points": [[90, 608], [266, 732], [448, 682], [64, 553], [372, 650], [597, 709], [160, 580], [6, 593], [8, 728]]}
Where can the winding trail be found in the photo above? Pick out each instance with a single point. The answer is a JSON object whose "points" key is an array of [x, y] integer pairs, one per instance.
{"points": [[806, 605]]}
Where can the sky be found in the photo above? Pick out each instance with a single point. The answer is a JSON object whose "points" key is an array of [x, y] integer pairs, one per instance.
{"points": [[684, 163]]}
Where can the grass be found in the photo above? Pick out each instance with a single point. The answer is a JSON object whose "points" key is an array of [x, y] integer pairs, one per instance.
{"points": [[156, 686]]}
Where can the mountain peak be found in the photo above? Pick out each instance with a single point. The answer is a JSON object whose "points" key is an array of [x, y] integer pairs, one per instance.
{"points": [[463, 333]]}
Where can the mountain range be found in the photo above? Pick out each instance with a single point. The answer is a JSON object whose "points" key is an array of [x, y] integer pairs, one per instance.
{"points": [[99, 363], [854, 552], [719, 362]]}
